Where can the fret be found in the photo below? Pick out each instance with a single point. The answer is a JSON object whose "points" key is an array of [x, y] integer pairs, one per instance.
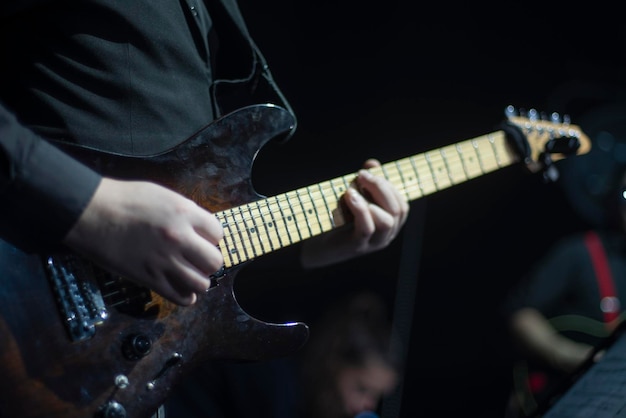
{"points": [[282, 225], [326, 209], [453, 161], [471, 162], [271, 232]]}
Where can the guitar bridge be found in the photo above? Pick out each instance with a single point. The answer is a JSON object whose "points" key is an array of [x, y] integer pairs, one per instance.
{"points": [[80, 302]]}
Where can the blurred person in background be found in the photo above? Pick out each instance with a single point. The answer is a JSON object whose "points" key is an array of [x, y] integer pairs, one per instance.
{"points": [[568, 304]]}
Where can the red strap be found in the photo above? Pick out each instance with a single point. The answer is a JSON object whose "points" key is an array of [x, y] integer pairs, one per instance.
{"points": [[609, 302]]}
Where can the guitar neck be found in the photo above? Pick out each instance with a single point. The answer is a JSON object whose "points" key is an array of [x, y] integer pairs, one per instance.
{"points": [[272, 223]]}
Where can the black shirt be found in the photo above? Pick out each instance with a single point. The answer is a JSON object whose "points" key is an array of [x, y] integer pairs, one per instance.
{"points": [[129, 76]]}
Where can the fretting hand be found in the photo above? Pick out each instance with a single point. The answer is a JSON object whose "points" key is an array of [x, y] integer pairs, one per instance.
{"points": [[377, 221]]}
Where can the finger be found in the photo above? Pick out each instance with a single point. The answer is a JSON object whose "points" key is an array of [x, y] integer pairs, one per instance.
{"points": [[202, 255], [373, 226], [364, 225], [173, 289], [382, 193], [403, 203], [190, 278], [386, 226], [183, 282], [201, 250], [371, 163], [207, 225]]}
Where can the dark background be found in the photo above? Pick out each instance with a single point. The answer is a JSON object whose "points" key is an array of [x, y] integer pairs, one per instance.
{"points": [[397, 78]]}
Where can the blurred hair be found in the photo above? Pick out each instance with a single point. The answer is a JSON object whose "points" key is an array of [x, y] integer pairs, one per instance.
{"points": [[347, 335]]}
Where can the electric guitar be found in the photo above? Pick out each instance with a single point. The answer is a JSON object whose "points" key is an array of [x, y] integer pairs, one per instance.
{"points": [[79, 342]]}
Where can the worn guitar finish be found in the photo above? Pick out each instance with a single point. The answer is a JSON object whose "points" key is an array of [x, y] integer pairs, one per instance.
{"points": [[78, 342]]}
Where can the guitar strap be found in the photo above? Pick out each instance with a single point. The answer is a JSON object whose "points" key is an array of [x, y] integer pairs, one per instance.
{"points": [[609, 302], [260, 70]]}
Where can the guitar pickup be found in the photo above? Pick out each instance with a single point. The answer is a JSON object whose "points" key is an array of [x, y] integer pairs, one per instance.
{"points": [[80, 302]]}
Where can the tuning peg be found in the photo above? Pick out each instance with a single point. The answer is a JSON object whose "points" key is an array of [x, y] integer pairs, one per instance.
{"points": [[510, 111], [533, 115], [555, 117], [566, 119]]}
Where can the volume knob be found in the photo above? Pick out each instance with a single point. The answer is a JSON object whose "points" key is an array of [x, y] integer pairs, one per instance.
{"points": [[136, 346]]}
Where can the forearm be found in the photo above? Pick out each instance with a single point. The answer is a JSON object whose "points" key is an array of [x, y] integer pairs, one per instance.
{"points": [[43, 190], [541, 340]]}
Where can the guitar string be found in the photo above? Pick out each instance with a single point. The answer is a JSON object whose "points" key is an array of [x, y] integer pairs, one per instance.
{"points": [[435, 166], [397, 179], [459, 166]]}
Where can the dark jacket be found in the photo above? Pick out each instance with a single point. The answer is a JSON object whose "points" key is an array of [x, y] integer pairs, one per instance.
{"points": [[132, 77]]}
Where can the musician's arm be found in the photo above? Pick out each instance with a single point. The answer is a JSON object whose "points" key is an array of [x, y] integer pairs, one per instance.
{"points": [[541, 340], [48, 198], [43, 191]]}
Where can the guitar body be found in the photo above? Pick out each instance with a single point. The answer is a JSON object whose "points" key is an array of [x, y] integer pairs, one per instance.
{"points": [[128, 347]]}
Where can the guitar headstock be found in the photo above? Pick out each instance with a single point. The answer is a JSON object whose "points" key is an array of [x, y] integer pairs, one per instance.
{"points": [[541, 140]]}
